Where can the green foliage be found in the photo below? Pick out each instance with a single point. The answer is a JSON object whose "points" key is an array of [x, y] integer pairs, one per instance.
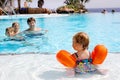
{"points": [[72, 7], [76, 4], [29, 0]]}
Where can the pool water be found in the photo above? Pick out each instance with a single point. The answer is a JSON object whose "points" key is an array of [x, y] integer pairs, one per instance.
{"points": [[101, 28]]}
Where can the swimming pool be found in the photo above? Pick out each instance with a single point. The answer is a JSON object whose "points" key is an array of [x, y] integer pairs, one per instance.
{"points": [[101, 28]]}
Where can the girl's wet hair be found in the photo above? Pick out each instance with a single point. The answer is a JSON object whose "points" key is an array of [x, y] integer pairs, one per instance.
{"points": [[82, 38]]}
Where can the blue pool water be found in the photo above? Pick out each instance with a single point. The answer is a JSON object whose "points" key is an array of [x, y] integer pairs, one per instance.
{"points": [[101, 28]]}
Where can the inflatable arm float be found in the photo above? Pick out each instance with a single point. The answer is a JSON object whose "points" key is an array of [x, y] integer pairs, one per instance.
{"points": [[98, 56]]}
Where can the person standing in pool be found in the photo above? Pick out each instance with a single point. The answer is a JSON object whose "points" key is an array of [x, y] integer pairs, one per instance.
{"points": [[32, 27], [16, 27], [33, 30], [17, 33]]}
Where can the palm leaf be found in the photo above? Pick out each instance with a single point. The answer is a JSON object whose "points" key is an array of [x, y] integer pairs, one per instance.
{"points": [[29, 0]]}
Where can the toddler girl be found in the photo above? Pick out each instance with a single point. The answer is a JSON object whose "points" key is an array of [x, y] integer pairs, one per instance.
{"points": [[83, 58]]}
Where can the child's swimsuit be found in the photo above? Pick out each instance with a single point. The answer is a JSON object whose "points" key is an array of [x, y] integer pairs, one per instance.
{"points": [[84, 65]]}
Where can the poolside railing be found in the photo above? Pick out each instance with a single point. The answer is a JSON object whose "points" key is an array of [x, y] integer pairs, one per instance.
{"points": [[3, 11]]}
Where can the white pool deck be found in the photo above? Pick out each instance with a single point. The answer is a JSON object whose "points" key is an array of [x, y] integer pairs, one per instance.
{"points": [[46, 67], [17, 16]]}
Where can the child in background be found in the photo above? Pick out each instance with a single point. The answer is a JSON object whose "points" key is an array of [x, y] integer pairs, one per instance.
{"points": [[14, 33], [9, 32], [83, 58]]}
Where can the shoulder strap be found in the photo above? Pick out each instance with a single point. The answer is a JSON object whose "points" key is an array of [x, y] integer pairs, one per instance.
{"points": [[89, 55], [90, 58], [76, 55]]}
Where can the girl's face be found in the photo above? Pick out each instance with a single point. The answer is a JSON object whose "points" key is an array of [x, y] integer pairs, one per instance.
{"points": [[78, 47]]}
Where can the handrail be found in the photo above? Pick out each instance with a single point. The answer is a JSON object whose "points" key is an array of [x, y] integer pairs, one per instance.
{"points": [[13, 10], [4, 11]]}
